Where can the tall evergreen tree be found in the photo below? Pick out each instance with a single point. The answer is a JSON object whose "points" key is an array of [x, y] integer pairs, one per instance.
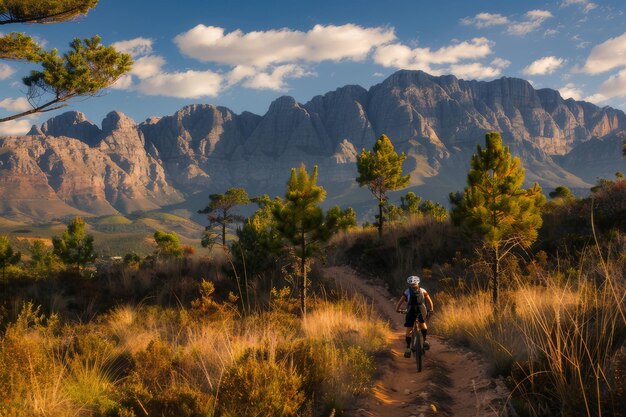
{"points": [[301, 221], [83, 71], [74, 247], [495, 205], [381, 172], [220, 210], [7, 255]]}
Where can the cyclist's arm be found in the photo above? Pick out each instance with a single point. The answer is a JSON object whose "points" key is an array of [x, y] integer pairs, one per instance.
{"points": [[400, 302], [429, 302]]}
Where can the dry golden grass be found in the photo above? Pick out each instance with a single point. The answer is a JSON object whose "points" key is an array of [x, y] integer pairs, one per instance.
{"points": [[559, 342], [148, 359], [352, 321]]}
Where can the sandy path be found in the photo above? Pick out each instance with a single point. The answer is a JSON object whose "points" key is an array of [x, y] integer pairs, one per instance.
{"points": [[454, 382]]}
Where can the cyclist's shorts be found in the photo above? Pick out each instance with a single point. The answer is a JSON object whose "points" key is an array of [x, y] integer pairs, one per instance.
{"points": [[411, 316]]}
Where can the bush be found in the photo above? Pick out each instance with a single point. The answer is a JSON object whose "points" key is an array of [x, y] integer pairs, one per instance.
{"points": [[333, 374], [156, 388], [258, 386]]}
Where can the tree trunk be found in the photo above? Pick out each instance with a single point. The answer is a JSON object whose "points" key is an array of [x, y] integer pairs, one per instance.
{"points": [[380, 221], [495, 270], [303, 270], [224, 234]]}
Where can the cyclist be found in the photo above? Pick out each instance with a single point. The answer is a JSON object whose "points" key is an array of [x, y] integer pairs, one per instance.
{"points": [[419, 306]]}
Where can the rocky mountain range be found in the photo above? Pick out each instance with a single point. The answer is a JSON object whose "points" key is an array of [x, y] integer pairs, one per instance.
{"points": [[70, 166]]}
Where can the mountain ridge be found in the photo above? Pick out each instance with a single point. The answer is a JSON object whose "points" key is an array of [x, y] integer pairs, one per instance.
{"points": [[204, 148]]}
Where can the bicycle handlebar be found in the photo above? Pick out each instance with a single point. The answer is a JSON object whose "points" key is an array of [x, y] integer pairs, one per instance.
{"points": [[403, 311]]}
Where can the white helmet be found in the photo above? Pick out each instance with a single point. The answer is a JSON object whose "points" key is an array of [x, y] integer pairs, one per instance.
{"points": [[413, 280]]}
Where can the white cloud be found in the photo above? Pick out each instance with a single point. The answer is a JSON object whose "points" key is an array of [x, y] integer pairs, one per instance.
{"points": [[596, 98], [615, 86], [125, 82], [264, 48], [501, 63], [580, 42], [401, 56], [15, 104], [378, 74], [240, 73], [6, 71], [188, 84], [474, 71], [550, 33], [586, 4], [147, 66], [543, 66], [275, 80], [570, 90], [447, 59], [483, 20], [135, 47], [607, 56], [15, 127], [532, 21]]}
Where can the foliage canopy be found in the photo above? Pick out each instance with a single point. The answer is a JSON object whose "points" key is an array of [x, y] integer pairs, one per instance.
{"points": [[74, 247], [495, 205], [87, 68], [380, 171], [220, 211]]}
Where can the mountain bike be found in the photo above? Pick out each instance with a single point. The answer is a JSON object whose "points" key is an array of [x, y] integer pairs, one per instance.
{"points": [[417, 343]]}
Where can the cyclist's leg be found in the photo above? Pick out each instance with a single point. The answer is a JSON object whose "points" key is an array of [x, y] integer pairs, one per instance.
{"points": [[408, 325], [422, 326]]}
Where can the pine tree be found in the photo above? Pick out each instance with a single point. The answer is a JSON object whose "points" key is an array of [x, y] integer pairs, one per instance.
{"points": [[301, 221], [338, 219], [74, 247], [168, 244], [381, 172], [562, 193], [7, 255], [220, 210], [410, 203], [434, 210], [37, 11], [495, 206], [83, 71], [259, 242]]}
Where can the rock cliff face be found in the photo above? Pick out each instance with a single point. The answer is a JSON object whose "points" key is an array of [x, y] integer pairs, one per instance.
{"points": [[76, 167]]}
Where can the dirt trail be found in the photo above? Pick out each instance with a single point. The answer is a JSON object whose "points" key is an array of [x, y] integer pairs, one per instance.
{"points": [[454, 382]]}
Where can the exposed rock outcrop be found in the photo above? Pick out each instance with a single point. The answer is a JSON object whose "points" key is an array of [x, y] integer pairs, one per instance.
{"points": [[74, 166]]}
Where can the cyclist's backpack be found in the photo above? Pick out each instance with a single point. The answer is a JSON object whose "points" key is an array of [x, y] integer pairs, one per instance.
{"points": [[410, 294]]}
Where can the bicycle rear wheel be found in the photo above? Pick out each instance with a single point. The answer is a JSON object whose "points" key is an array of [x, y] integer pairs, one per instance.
{"points": [[418, 349]]}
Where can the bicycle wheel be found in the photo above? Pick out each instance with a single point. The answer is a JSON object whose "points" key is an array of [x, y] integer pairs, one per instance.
{"points": [[418, 348]]}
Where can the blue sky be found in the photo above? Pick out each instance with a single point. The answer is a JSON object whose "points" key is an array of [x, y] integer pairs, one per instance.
{"points": [[244, 54]]}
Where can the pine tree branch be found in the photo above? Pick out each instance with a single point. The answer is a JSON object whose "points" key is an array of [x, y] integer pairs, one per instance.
{"points": [[39, 109], [7, 18]]}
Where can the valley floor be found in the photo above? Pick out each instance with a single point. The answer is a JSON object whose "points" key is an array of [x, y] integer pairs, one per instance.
{"points": [[454, 383]]}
